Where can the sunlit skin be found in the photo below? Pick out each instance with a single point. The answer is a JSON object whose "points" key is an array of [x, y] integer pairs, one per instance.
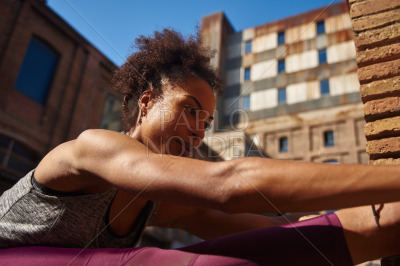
{"points": [[212, 199]]}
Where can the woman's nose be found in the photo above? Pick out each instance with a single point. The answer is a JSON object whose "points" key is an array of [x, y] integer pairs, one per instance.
{"points": [[197, 138]]}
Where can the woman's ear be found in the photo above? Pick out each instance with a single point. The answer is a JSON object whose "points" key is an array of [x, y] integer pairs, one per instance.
{"points": [[146, 100]]}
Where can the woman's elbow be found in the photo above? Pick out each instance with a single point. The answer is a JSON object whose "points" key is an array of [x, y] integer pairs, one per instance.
{"points": [[227, 192]]}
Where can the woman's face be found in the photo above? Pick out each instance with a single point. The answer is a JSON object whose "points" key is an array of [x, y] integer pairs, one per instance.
{"points": [[176, 122]]}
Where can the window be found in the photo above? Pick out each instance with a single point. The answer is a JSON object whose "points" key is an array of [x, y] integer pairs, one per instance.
{"points": [[329, 138], [247, 47], [37, 70], [324, 86], [320, 27], [281, 66], [111, 114], [282, 96], [331, 161], [281, 37], [322, 56], [15, 158], [247, 73], [246, 102], [283, 144]]}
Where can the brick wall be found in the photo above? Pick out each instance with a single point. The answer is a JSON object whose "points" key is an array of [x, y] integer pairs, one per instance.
{"points": [[76, 95], [376, 24], [78, 88]]}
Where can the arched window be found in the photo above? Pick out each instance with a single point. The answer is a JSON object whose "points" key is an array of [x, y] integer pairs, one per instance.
{"points": [[37, 70]]}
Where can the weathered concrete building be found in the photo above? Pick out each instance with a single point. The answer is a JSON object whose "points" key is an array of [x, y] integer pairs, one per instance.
{"points": [[291, 85], [53, 85]]}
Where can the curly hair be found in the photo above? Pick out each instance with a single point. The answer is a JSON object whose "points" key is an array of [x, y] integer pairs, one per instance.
{"points": [[166, 54]]}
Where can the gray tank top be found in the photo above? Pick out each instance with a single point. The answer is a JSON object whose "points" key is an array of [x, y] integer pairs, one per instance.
{"points": [[31, 214]]}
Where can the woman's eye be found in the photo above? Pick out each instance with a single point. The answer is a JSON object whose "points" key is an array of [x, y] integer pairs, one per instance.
{"points": [[207, 126], [191, 110]]}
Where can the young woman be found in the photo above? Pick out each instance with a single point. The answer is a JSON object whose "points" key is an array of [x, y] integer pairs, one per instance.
{"points": [[101, 189]]}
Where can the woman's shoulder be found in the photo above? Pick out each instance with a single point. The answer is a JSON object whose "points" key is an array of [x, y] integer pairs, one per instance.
{"points": [[99, 133]]}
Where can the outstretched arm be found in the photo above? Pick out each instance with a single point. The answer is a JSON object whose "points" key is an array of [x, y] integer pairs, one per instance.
{"points": [[100, 158], [208, 223]]}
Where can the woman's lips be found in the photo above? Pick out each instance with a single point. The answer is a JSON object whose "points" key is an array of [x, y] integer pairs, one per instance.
{"points": [[186, 148]]}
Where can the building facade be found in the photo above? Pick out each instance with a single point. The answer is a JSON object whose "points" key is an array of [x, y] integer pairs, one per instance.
{"points": [[290, 86], [53, 85]]}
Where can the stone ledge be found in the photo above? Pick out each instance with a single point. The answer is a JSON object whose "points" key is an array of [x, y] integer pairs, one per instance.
{"points": [[370, 7], [379, 71], [379, 88], [376, 20], [387, 161], [378, 54], [383, 147], [385, 107], [388, 127], [377, 37]]}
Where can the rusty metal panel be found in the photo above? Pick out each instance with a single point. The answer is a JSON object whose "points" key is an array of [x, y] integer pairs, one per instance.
{"points": [[248, 34], [340, 36], [337, 85], [266, 55], [295, 48], [344, 84], [304, 18], [264, 70], [341, 52], [293, 63], [319, 73], [305, 60], [300, 33], [296, 93], [266, 84], [309, 45], [281, 51], [353, 83], [211, 34], [313, 91], [321, 41], [263, 99], [265, 42], [337, 23], [248, 60]]}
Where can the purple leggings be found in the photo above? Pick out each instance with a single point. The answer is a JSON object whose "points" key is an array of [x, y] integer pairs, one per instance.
{"points": [[318, 241]]}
